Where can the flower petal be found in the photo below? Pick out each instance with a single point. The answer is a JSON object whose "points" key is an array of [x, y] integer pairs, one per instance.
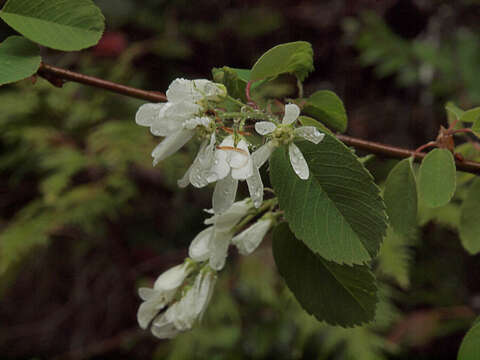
{"points": [[265, 127], [248, 240], [148, 310], [231, 217], [171, 144], [146, 293], [147, 114], [310, 133], [224, 194], [255, 187], [172, 278], [199, 249], [180, 90], [291, 114], [164, 328], [219, 249], [220, 168], [298, 162], [243, 172], [262, 154], [205, 293]]}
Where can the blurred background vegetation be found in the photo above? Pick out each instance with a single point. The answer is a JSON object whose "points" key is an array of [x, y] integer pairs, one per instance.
{"points": [[85, 219]]}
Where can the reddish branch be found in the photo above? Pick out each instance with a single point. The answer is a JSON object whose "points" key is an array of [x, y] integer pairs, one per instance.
{"points": [[58, 76]]}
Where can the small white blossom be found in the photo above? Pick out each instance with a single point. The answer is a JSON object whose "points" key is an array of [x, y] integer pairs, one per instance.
{"points": [[242, 168], [178, 118], [182, 315], [212, 243], [285, 133], [161, 294], [249, 239]]}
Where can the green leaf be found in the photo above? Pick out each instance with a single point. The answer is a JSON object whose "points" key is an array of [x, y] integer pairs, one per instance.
{"points": [[471, 116], [470, 347], [231, 79], [401, 198], [454, 113], [19, 59], [470, 219], [437, 178], [338, 294], [58, 24], [395, 257], [326, 106], [290, 58], [338, 212]]}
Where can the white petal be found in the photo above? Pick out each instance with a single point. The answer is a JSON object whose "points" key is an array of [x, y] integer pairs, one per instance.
{"points": [[171, 144], [146, 293], [191, 124], [248, 240], [291, 113], [199, 249], [180, 90], [185, 180], [310, 133], [205, 293], [220, 168], [163, 328], [228, 141], [255, 187], [239, 157], [148, 310], [265, 127], [208, 89], [168, 121], [172, 278], [219, 249], [243, 172], [147, 114], [224, 194], [204, 161], [262, 154], [231, 217], [298, 162]]}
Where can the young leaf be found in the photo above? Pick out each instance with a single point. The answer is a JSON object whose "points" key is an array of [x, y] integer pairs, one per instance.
{"points": [[338, 294], [470, 219], [232, 80], [19, 59], [326, 106], [401, 198], [58, 24], [453, 112], [338, 212], [471, 116], [437, 178], [290, 58], [470, 347]]}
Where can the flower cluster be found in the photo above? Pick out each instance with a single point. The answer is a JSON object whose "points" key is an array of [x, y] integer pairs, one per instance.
{"points": [[180, 295], [195, 108]]}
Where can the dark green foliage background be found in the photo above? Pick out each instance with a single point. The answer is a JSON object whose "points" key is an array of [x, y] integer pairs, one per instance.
{"points": [[85, 219]]}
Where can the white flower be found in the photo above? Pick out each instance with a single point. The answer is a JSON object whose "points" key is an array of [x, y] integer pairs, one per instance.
{"points": [[249, 239], [286, 133], [212, 243], [242, 168], [182, 315], [161, 294], [209, 166], [177, 119]]}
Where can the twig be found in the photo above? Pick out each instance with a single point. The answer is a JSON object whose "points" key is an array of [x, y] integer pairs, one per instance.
{"points": [[57, 75]]}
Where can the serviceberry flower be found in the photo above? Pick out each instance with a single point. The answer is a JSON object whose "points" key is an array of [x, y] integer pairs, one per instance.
{"points": [[183, 314], [162, 293], [284, 134], [212, 243], [242, 168], [180, 117]]}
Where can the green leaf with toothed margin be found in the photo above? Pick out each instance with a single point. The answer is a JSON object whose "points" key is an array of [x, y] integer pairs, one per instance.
{"points": [[337, 294], [291, 58], [337, 212], [58, 24]]}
